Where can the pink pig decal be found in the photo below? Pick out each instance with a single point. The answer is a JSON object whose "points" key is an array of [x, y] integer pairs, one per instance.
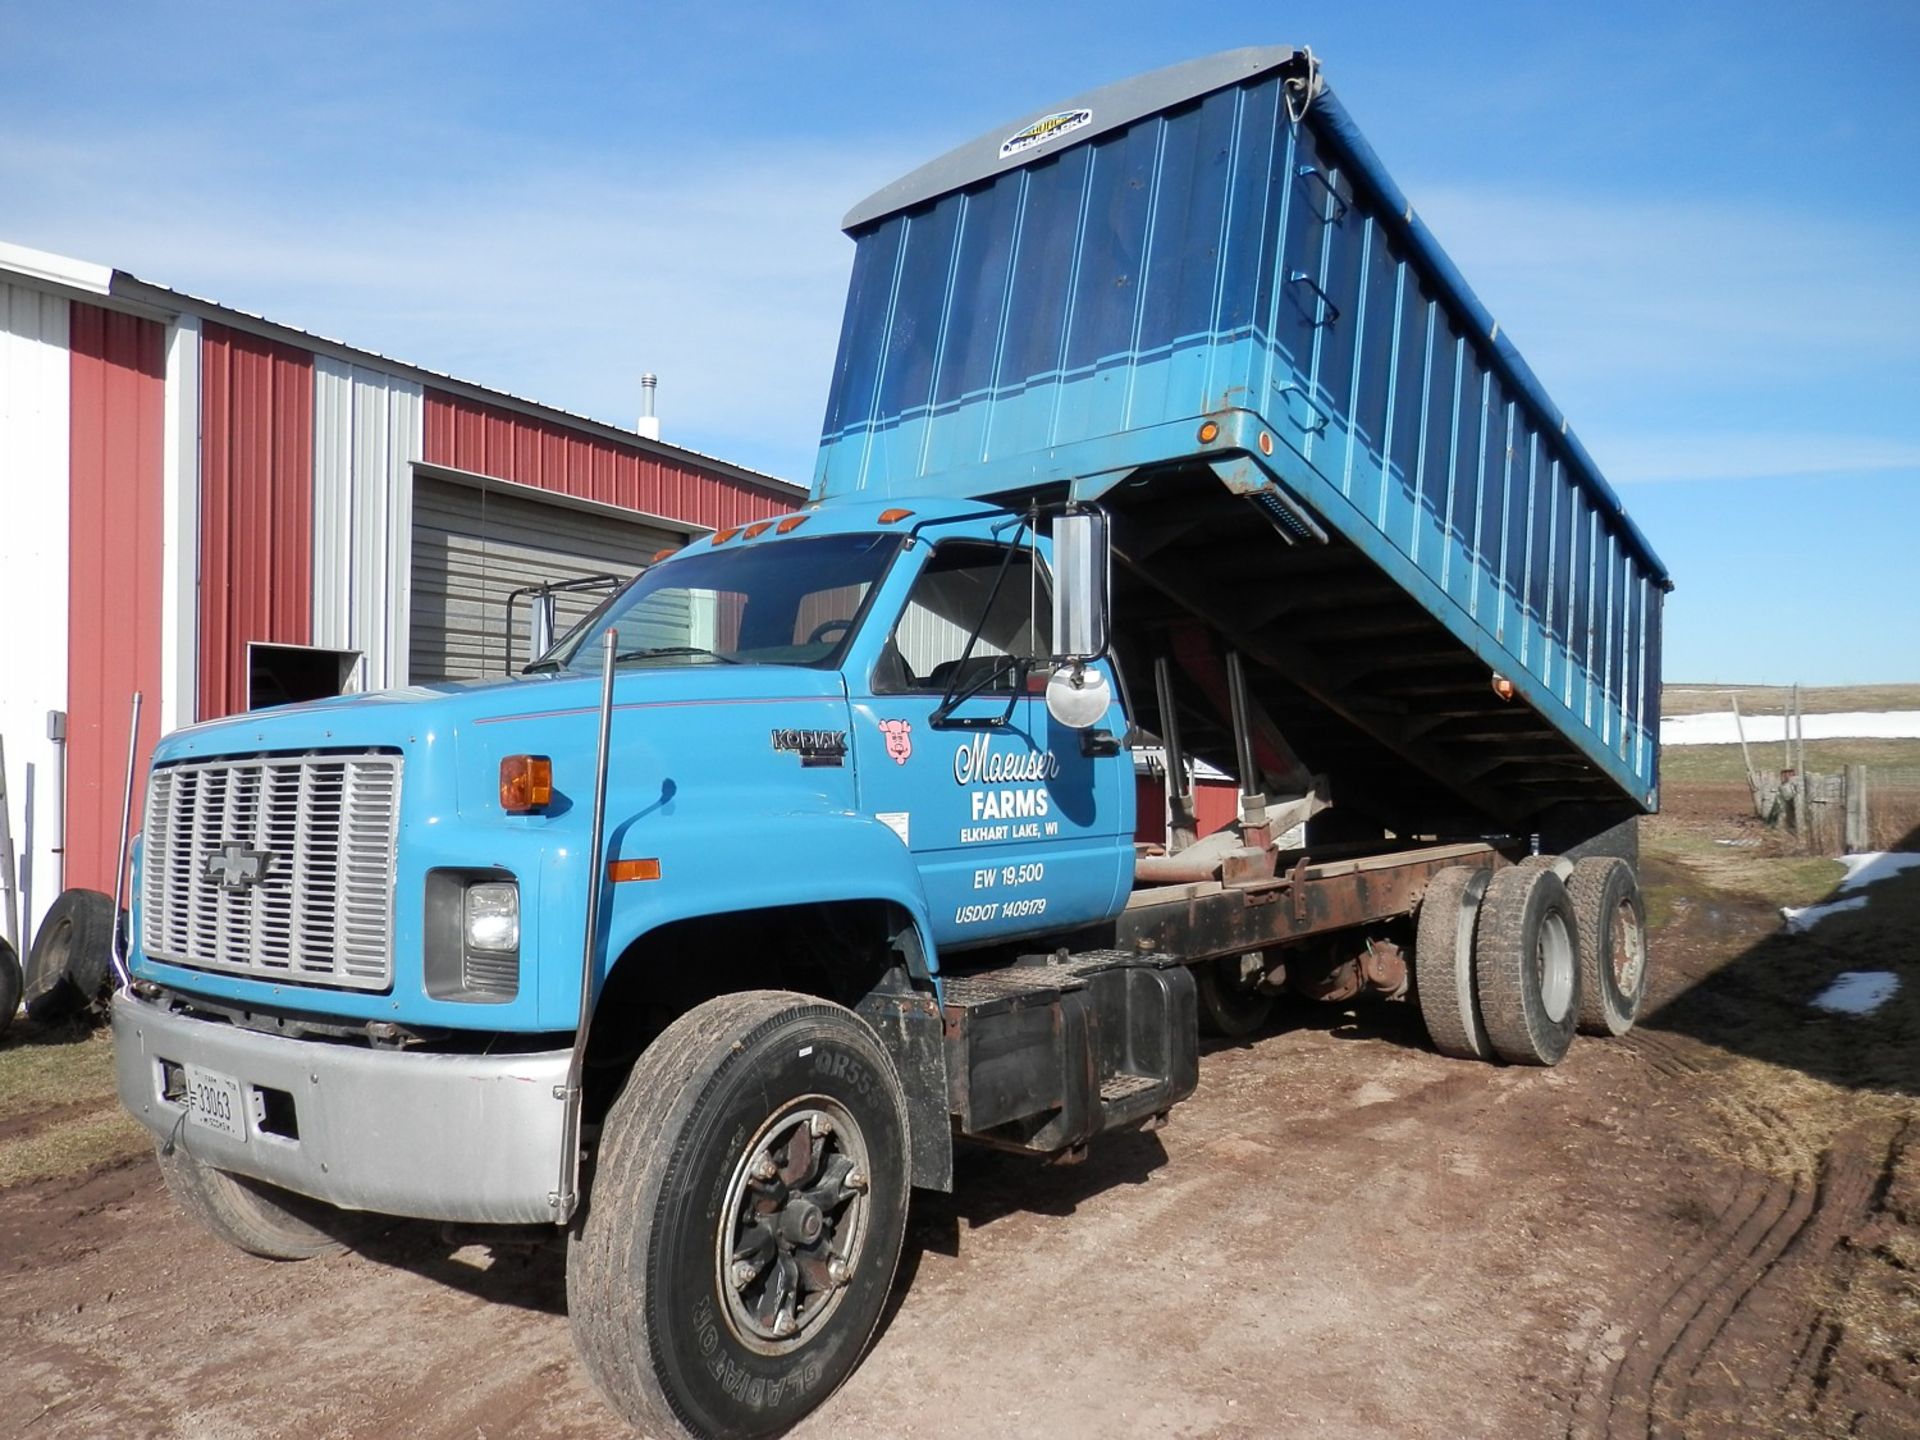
{"points": [[899, 735]]}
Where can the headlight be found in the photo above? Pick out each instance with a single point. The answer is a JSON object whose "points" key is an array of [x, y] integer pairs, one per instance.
{"points": [[493, 916]]}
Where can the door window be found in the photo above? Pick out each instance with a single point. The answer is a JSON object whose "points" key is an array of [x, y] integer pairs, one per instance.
{"points": [[948, 600]]}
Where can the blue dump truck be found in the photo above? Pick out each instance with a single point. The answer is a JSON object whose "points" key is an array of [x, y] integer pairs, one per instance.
{"points": [[1159, 421]]}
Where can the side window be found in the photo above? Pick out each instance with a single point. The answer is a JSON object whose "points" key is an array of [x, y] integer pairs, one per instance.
{"points": [[948, 600]]}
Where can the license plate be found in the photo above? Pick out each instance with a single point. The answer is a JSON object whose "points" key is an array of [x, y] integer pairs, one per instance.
{"points": [[216, 1102]]}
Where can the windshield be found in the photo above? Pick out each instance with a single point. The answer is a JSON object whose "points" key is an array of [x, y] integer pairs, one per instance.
{"points": [[792, 602]]}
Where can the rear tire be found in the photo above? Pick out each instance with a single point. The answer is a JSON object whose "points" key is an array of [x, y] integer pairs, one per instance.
{"points": [[1526, 966], [10, 982], [69, 966], [1443, 963], [249, 1214], [710, 1290], [1613, 944], [1230, 1006]]}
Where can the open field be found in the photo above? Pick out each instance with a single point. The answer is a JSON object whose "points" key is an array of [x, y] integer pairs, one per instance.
{"points": [[1723, 762], [1694, 699], [1711, 1228]]}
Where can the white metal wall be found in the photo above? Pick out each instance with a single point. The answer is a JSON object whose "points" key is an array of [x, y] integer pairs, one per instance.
{"points": [[35, 378], [367, 428]]}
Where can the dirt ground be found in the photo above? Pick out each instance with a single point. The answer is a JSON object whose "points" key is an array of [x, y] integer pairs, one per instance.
{"points": [[1711, 1228]]}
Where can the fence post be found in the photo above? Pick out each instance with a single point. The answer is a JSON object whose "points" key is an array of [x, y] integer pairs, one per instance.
{"points": [[1859, 837]]}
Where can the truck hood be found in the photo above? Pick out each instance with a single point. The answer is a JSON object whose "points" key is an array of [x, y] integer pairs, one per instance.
{"points": [[422, 714]]}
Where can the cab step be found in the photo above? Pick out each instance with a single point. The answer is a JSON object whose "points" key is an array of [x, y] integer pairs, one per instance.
{"points": [[1047, 1053]]}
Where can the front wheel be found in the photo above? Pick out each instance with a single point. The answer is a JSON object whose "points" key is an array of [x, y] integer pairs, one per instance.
{"points": [[745, 1219]]}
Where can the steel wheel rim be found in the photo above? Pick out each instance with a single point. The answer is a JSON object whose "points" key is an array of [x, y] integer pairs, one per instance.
{"points": [[1554, 954], [1629, 948], [794, 1224]]}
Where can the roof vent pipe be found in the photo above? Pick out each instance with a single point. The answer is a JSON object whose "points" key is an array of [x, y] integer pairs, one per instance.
{"points": [[649, 426]]}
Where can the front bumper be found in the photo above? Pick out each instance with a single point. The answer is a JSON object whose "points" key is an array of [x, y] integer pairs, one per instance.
{"points": [[473, 1138]]}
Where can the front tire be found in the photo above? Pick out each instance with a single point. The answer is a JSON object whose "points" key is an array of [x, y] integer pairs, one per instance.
{"points": [[249, 1214], [745, 1219]]}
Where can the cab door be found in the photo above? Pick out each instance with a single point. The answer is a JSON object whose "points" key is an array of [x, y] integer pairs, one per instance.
{"points": [[1015, 828]]}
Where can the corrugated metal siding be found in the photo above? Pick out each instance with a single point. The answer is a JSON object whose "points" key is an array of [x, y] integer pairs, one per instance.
{"points": [[486, 440], [35, 382], [256, 507], [366, 437], [473, 546], [113, 587]]}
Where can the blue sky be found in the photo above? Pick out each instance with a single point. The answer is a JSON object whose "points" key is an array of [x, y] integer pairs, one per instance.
{"points": [[1700, 222]]}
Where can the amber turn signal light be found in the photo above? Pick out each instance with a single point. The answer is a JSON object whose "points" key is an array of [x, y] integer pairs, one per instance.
{"points": [[619, 870], [526, 783]]}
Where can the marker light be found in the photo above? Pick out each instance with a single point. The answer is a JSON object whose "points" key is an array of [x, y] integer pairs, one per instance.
{"points": [[725, 535], [890, 517], [790, 524], [758, 528], [1503, 687], [526, 783], [1209, 432], [619, 870]]}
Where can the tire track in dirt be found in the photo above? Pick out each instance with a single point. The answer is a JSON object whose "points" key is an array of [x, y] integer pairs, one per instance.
{"points": [[1742, 1293]]}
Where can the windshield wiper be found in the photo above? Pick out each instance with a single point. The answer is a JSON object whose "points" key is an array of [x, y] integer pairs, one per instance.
{"points": [[649, 651]]}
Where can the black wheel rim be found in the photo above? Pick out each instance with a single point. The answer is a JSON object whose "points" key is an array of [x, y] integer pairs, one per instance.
{"points": [[794, 1224]]}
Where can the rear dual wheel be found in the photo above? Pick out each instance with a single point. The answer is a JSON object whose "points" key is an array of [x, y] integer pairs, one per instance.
{"points": [[1497, 964], [1613, 945], [1526, 966]]}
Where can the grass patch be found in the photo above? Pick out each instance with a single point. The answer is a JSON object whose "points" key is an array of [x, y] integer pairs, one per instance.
{"points": [[41, 1068], [71, 1147], [1775, 879], [1824, 757], [1772, 699]]}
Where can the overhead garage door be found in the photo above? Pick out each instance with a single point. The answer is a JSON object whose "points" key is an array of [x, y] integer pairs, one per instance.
{"points": [[473, 546]]}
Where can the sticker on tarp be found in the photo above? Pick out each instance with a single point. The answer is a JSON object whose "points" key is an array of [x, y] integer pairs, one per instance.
{"points": [[1047, 127]]}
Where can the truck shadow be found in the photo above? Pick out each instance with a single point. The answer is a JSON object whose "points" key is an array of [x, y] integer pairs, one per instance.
{"points": [[1770, 1001], [990, 1186], [528, 1276]]}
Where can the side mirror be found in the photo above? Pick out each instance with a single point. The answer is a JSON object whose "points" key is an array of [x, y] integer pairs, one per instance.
{"points": [[540, 624], [1082, 570]]}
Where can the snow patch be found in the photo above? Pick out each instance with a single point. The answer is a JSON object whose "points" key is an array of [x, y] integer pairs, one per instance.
{"points": [[1720, 729], [1858, 992], [1807, 916], [1862, 870]]}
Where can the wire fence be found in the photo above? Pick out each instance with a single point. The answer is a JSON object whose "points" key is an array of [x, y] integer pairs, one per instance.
{"points": [[1864, 807]]}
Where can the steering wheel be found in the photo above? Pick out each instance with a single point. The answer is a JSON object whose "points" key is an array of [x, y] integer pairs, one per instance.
{"points": [[826, 628]]}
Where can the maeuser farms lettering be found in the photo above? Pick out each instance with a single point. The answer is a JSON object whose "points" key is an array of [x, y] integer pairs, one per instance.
{"points": [[978, 765]]}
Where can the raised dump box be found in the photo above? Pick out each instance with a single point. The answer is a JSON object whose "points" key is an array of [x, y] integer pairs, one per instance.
{"points": [[1197, 297]]}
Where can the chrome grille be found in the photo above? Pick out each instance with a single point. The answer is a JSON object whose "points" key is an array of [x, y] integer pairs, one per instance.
{"points": [[279, 866]]}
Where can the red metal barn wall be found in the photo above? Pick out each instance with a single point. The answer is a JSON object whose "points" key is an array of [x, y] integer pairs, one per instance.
{"points": [[487, 440], [113, 575], [256, 507]]}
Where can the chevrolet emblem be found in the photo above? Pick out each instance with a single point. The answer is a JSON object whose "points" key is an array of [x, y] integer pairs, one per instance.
{"points": [[235, 867]]}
